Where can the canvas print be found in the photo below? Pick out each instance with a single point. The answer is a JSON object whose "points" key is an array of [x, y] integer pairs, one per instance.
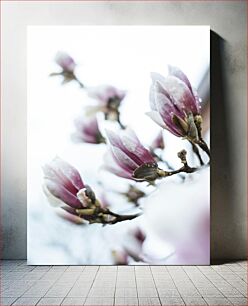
{"points": [[118, 145]]}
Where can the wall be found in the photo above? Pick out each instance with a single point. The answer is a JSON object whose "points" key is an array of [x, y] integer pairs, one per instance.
{"points": [[228, 102]]}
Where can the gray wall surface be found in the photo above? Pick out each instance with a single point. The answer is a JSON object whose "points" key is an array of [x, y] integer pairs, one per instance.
{"points": [[228, 103]]}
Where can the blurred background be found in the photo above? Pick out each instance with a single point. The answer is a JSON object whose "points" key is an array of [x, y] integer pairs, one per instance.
{"points": [[122, 56]]}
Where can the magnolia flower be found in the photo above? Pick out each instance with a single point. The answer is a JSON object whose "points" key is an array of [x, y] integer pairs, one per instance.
{"points": [[109, 99], [132, 248], [181, 218], [65, 61], [133, 194], [87, 130], [64, 188], [175, 106], [158, 142], [120, 257], [68, 65], [129, 159]]}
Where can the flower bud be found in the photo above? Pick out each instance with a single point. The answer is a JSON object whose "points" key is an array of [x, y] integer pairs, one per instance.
{"points": [[175, 106], [130, 159]]}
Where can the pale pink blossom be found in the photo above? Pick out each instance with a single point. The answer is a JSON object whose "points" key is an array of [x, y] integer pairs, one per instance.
{"points": [[174, 104], [132, 248], [87, 130], [129, 158], [179, 216], [65, 61], [108, 100], [64, 186], [158, 142]]}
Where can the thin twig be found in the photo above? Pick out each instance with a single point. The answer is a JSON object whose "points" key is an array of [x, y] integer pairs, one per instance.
{"points": [[120, 218], [196, 151], [159, 158], [97, 214], [122, 126], [185, 168], [202, 144], [79, 82]]}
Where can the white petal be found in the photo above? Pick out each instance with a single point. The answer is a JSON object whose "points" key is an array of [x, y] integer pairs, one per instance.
{"points": [[157, 77], [155, 116], [129, 139], [55, 202], [152, 97], [124, 159]]}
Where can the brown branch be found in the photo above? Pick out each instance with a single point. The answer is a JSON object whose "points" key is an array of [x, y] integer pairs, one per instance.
{"points": [[196, 151], [202, 144], [185, 168], [120, 218], [79, 82], [122, 126], [97, 214]]}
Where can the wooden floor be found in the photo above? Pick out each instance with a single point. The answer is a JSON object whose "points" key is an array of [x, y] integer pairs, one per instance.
{"points": [[123, 285]]}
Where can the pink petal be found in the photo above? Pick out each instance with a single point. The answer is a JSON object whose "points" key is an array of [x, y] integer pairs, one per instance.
{"points": [[116, 141], [180, 93], [180, 75], [64, 173], [70, 172], [87, 129], [123, 160], [156, 117], [158, 142], [166, 111], [104, 92], [129, 144], [57, 175], [112, 166], [81, 137], [58, 191], [65, 61], [133, 145]]}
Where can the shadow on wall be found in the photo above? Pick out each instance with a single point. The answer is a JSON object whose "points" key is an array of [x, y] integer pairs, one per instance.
{"points": [[222, 204]]}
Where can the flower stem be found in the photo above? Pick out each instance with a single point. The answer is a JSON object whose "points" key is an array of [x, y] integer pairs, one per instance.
{"points": [[122, 126], [185, 168], [79, 82], [202, 144], [159, 158], [119, 218], [97, 214], [196, 151]]}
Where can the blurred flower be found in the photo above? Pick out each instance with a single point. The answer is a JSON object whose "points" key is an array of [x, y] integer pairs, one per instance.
{"points": [[109, 100], [65, 61], [175, 106], [68, 65], [133, 194], [158, 142], [87, 130], [120, 257], [104, 200], [132, 246], [70, 217], [182, 220], [129, 159]]}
